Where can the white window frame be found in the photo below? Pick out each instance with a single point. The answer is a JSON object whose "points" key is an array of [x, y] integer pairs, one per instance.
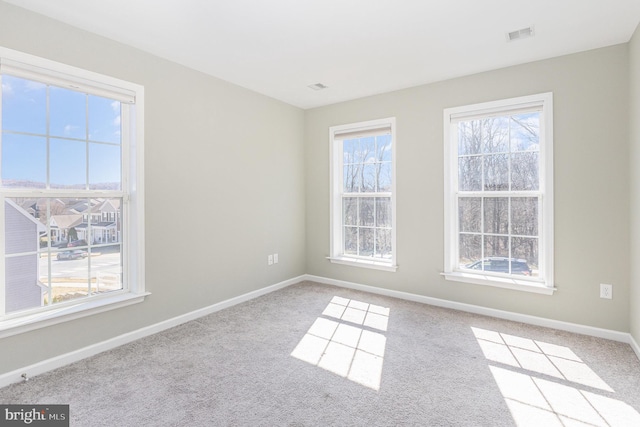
{"points": [[543, 284], [133, 253], [337, 254]]}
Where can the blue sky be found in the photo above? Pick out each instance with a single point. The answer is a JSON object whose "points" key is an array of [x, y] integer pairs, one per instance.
{"points": [[514, 133], [77, 122], [371, 153]]}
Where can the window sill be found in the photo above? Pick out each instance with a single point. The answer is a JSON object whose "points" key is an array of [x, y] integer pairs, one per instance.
{"points": [[364, 263], [66, 312], [500, 282]]}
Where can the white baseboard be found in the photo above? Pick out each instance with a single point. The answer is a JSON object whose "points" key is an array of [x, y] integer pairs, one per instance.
{"points": [[634, 345], [501, 314], [74, 356]]}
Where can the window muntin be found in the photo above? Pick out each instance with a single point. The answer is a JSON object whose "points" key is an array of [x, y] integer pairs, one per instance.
{"points": [[64, 154], [499, 182], [71, 146], [499, 154], [363, 200], [63, 257]]}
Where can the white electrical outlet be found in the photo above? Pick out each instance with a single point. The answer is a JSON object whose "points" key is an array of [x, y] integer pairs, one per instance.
{"points": [[275, 258], [270, 260], [606, 291]]}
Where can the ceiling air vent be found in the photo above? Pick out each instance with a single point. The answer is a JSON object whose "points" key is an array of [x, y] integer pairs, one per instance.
{"points": [[317, 86], [520, 34]]}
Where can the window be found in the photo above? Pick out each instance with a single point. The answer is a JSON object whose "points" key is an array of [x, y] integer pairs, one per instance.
{"points": [[363, 194], [71, 190], [498, 193]]}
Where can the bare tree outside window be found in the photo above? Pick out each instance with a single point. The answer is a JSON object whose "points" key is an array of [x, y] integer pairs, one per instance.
{"points": [[498, 166], [362, 194], [366, 210]]}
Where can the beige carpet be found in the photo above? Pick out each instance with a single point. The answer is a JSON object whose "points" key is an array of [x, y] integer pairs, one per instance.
{"points": [[317, 355]]}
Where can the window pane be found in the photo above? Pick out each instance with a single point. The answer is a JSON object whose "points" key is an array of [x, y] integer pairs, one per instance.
{"points": [[38, 208], [22, 291], [525, 132], [106, 222], [106, 269], [81, 234], [351, 178], [369, 178], [384, 176], [68, 168], [495, 135], [24, 161], [496, 246], [350, 151], [496, 215], [104, 119], [69, 274], [350, 210], [470, 214], [524, 171], [67, 113], [69, 256], [61, 248], [366, 211], [383, 243], [366, 241], [22, 230], [351, 240], [497, 197], [24, 105], [383, 212], [470, 250], [525, 248], [368, 147], [82, 250], [67, 219], [496, 172], [383, 147], [470, 173], [367, 170], [469, 137], [104, 167], [524, 216]]}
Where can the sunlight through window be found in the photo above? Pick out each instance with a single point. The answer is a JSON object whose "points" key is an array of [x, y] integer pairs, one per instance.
{"points": [[547, 392], [345, 341], [540, 357]]}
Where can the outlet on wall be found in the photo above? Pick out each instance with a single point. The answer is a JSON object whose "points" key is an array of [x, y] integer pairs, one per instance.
{"points": [[270, 260], [606, 291]]}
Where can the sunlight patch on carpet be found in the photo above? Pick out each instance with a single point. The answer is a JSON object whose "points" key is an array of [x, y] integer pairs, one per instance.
{"points": [[540, 357], [345, 341], [544, 384]]}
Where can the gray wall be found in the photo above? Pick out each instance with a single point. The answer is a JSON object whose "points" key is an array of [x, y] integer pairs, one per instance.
{"points": [[634, 118], [232, 176], [224, 186], [591, 185]]}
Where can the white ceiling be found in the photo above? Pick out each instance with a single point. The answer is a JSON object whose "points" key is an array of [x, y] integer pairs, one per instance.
{"points": [[355, 47]]}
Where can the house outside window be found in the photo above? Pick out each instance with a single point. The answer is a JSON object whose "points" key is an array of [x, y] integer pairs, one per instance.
{"points": [[499, 193], [363, 197], [71, 145]]}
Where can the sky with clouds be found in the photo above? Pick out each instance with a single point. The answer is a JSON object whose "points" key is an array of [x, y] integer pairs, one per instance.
{"points": [[71, 136]]}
